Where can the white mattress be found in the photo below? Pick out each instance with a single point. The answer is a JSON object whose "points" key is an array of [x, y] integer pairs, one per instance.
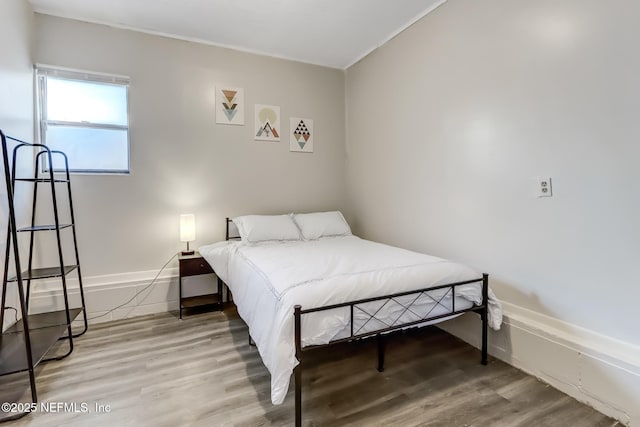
{"points": [[268, 279]]}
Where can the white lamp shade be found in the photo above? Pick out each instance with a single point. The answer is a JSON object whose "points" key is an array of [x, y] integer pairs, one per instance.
{"points": [[187, 228]]}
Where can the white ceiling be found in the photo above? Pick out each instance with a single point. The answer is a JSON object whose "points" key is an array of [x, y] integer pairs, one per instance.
{"points": [[334, 33]]}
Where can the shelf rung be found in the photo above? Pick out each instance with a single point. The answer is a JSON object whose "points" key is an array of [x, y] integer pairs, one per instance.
{"points": [[44, 273], [49, 227], [47, 319], [41, 180], [200, 301]]}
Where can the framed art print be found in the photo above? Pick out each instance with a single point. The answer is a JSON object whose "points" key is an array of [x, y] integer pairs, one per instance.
{"points": [[229, 105], [301, 135], [267, 123]]}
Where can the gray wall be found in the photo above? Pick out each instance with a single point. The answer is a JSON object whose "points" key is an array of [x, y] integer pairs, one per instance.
{"points": [[450, 122], [181, 161], [16, 106]]}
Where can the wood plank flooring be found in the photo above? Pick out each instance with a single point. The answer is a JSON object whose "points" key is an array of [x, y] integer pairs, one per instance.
{"points": [[160, 371]]}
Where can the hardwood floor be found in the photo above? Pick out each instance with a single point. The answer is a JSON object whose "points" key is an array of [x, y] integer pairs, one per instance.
{"points": [[160, 371]]}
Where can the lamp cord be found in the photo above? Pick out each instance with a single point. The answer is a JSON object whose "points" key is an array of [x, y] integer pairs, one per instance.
{"points": [[139, 292]]}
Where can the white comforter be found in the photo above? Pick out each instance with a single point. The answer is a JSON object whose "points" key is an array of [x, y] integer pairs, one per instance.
{"points": [[268, 279]]}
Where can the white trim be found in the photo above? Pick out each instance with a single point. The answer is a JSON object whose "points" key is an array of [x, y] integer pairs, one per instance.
{"points": [[104, 293], [600, 371], [49, 69], [43, 73], [384, 41], [44, 11], [396, 32], [108, 281], [574, 336]]}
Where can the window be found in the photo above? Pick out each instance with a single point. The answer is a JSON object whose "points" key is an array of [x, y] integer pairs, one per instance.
{"points": [[85, 116]]}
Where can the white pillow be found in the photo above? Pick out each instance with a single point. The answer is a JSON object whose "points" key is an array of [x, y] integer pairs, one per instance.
{"points": [[322, 224], [260, 228]]}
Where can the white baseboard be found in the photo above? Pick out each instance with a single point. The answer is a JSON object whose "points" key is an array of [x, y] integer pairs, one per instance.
{"points": [[597, 370], [104, 293]]}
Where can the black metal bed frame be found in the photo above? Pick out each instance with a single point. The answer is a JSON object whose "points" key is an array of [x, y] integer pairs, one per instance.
{"points": [[355, 306]]}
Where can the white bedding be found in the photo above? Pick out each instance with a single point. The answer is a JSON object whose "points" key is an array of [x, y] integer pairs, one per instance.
{"points": [[267, 279]]}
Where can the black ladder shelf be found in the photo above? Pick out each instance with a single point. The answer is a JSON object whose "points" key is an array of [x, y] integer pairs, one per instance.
{"points": [[26, 343]]}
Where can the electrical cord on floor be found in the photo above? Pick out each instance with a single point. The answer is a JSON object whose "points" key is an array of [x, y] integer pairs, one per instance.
{"points": [[137, 293]]}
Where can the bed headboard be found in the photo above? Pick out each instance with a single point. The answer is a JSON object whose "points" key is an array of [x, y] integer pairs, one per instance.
{"points": [[231, 226]]}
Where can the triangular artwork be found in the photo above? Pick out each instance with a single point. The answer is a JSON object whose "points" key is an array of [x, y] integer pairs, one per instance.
{"points": [[267, 123], [301, 136], [267, 131], [230, 106]]}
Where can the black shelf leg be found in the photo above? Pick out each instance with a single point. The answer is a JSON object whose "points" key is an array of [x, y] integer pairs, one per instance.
{"points": [[75, 247], [12, 238]]}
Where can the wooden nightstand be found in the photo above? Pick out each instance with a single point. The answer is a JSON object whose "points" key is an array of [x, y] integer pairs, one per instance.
{"points": [[195, 265]]}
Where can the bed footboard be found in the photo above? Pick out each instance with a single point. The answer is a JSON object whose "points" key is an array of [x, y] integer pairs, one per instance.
{"points": [[358, 333]]}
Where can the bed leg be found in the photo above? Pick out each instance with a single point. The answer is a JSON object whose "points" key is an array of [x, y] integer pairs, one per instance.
{"points": [[484, 338], [381, 348], [485, 316], [298, 369], [298, 393]]}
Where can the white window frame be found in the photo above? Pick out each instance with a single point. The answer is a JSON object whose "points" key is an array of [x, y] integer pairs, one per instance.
{"points": [[43, 71]]}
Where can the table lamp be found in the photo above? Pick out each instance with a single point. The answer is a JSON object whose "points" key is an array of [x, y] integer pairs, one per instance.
{"points": [[187, 231]]}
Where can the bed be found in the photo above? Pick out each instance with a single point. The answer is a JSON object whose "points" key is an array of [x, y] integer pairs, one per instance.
{"points": [[298, 293]]}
